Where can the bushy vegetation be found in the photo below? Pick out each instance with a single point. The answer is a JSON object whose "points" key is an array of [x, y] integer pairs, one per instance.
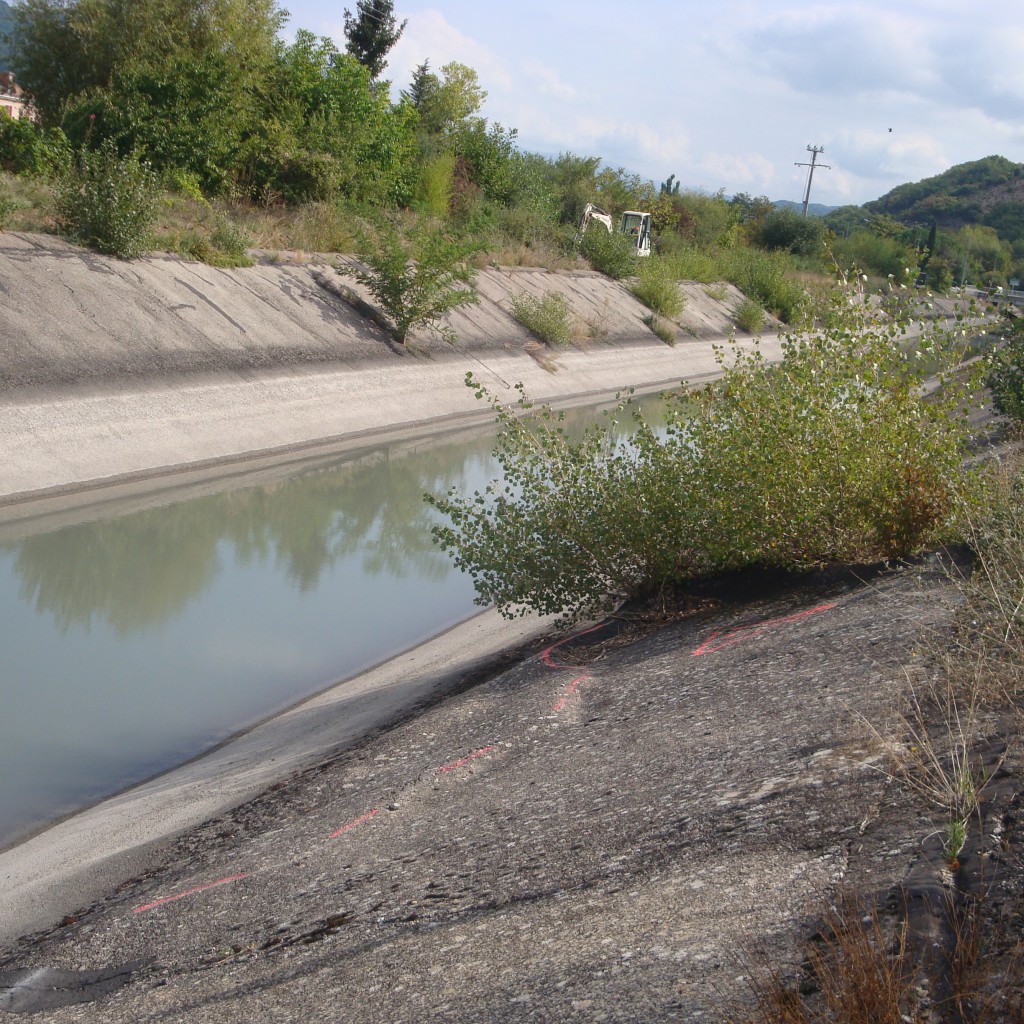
{"points": [[108, 201], [830, 456], [548, 317], [750, 316], [415, 282], [610, 253], [657, 287], [6, 209], [1005, 376]]}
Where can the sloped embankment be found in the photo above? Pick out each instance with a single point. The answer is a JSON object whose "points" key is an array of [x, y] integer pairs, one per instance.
{"points": [[110, 369]]}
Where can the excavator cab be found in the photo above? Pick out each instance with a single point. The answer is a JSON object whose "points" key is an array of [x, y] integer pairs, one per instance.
{"points": [[637, 227]]}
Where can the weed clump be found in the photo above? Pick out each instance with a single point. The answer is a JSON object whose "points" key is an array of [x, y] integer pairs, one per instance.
{"points": [[548, 318], [665, 331], [108, 201], [749, 316], [657, 288]]}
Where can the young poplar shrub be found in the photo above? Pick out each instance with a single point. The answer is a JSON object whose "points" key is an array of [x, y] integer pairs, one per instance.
{"points": [[830, 456], [415, 282], [1005, 376], [107, 201]]}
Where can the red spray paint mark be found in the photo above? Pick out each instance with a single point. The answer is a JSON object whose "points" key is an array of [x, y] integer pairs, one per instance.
{"points": [[719, 641], [465, 760], [569, 691], [352, 824], [188, 892]]}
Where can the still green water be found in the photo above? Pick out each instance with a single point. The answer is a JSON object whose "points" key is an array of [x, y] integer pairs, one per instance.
{"points": [[134, 641]]}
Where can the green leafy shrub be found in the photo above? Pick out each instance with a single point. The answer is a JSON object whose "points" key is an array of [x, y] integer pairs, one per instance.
{"points": [[874, 254], [7, 207], [608, 252], [22, 146], [225, 247], [108, 202], [749, 316], [663, 330], [1005, 376], [767, 277], [789, 230], [829, 456], [418, 281], [657, 287], [549, 317]]}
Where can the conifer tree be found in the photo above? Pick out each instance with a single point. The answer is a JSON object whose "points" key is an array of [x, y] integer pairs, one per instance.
{"points": [[371, 32]]}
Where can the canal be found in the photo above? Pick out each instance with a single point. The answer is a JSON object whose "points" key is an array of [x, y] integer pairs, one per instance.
{"points": [[138, 634]]}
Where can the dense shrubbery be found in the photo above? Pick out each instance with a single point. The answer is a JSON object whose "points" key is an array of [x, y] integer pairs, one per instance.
{"points": [[108, 201], [549, 317], [1006, 372], [830, 456], [610, 253]]}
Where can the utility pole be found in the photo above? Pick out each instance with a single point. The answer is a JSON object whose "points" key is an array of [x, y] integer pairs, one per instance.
{"points": [[814, 151]]}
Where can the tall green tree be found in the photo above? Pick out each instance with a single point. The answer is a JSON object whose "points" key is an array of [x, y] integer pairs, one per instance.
{"points": [[70, 47], [326, 129], [371, 33]]}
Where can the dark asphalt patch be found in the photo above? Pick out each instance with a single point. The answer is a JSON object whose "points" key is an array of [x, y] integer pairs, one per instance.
{"points": [[30, 990]]}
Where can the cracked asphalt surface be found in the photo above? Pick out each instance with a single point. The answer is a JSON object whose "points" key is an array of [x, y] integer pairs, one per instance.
{"points": [[597, 833]]}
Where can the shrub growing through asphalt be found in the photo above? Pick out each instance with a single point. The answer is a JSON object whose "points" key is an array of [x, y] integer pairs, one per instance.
{"points": [[108, 201], [831, 455]]}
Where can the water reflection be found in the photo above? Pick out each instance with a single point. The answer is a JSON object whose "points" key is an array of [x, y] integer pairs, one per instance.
{"points": [[137, 571], [132, 642]]}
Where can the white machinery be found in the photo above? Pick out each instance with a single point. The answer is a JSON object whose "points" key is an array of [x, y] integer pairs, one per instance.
{"points": [[636, 226]]}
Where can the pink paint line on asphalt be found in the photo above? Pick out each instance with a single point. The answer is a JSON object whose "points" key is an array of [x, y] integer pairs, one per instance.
{"points": [[187, 892], [465, 760], [352, 824], [569, 691], [741, 633]]}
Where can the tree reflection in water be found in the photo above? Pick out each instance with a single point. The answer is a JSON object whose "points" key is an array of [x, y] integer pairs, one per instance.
{"points": [[139, 570]]}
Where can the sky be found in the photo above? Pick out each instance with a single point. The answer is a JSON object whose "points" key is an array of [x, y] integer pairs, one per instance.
{"points": [[729, 94]]}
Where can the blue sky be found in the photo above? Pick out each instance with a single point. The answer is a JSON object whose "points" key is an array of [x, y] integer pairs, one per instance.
{"points": [[729, 93]]}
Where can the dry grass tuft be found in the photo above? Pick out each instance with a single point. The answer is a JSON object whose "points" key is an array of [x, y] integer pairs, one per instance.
{"points": [[858, 972]]}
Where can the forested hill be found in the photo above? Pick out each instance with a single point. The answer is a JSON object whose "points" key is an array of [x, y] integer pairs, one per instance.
{"points": [[988, 191], [6, 24]]}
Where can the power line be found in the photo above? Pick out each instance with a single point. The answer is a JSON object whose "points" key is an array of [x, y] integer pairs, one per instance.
{"points": [[814, 151]]}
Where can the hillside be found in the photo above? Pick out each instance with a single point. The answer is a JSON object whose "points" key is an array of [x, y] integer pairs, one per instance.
{"points": [[988, 191], [814, 209]]}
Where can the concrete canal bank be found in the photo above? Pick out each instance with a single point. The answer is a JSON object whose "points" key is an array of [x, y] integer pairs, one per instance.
{"points": [[111, 370]]}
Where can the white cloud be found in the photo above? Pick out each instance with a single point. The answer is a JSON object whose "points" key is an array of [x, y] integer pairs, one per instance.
{"points": [[550, 83], [429, 36]]}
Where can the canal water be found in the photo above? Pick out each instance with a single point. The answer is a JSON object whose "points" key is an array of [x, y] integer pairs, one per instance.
{"points": [[137, 637]]}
